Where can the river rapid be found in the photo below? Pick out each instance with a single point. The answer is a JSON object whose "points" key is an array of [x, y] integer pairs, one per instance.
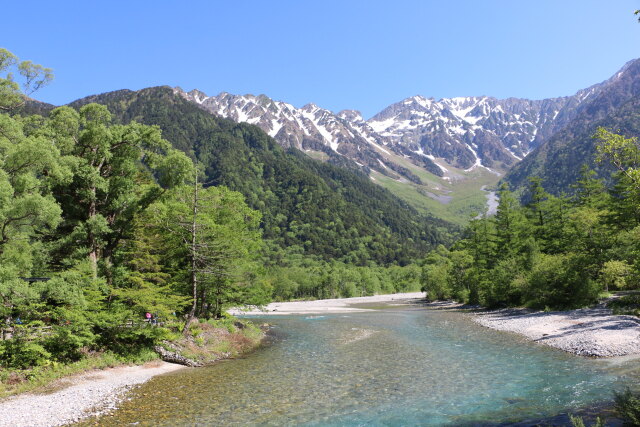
{"points": [[394, 366]]}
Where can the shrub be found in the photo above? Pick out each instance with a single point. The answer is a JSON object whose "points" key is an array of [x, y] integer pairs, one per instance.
{"points": [[21, 354], [560, 281], [628, 407]]}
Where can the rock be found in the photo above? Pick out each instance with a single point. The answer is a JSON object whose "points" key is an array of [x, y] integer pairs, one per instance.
{"points": [[174, 357]]}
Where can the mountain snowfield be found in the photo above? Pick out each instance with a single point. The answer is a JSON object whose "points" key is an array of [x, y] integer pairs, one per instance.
{"points": [[449, 138]]}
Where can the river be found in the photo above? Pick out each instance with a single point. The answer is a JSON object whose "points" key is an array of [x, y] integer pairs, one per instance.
{"points": [[492, 202], [395, 366]]}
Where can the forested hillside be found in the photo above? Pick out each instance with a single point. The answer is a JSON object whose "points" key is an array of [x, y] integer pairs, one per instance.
{"points": [[553, 252], [319, 208], [100, 224], [559, 160]]}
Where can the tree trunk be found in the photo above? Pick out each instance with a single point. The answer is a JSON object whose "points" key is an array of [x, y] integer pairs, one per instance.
{"points": [[193, 250], [93, 244]]}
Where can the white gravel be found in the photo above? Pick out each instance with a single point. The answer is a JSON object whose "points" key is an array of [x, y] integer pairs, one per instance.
{"points": [[338, 305], [92, 393], [592, 332]]}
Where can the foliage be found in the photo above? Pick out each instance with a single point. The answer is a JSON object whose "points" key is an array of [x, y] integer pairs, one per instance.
{"points": [[34, 77], [211, 235], [578, 422], [304, 277], [554, 252], [628, 304], [628, 407], [321, 209]]}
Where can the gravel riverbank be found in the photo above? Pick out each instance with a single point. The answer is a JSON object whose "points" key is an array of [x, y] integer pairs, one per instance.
{"points": [[594, 332], [338, 305], [83, 395]]}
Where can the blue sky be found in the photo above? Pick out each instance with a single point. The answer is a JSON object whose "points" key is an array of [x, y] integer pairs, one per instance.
{"points": [[344, 54]]}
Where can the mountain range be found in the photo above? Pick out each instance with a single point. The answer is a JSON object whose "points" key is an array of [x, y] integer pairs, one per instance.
{"points": [[308, 207], [435, 155], [463, 133]]}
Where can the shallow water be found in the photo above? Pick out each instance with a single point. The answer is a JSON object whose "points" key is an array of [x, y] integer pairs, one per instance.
{"points": [[390, 367]]}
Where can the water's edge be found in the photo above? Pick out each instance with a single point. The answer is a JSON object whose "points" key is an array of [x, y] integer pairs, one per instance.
{"points": [[409, 366]]}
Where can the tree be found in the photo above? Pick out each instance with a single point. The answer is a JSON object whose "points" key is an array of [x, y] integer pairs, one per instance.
{"points": [[34, 77], [614, 273], [537, 196], [211, 235], [623, 153], [146, 285], [511, 225], [589, 191], [436, 274], [29, 164], [119, 170]]}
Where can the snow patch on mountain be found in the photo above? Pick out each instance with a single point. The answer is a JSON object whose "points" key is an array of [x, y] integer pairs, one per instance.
{"points": [[463, 132]]}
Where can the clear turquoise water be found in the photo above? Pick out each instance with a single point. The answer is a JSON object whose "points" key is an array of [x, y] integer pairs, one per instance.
{"points": [[390, 367]]}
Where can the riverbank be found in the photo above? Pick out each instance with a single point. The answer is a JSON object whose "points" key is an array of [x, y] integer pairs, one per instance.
{"points": [[338, 305], [594, 332], [79, 396], [93, 392]]}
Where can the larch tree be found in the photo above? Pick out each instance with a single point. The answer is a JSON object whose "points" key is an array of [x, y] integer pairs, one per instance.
{"points": [[211, 234]]}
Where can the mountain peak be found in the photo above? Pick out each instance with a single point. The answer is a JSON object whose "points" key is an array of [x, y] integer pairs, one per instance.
{"points": [[464, 131], [198, 96], [351, 115]]}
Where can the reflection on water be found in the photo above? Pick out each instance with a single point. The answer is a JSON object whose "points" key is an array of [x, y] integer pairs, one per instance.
{"points": [[391, 367]]}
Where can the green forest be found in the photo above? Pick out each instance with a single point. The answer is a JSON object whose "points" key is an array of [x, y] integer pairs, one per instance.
{"points": [[553, 252], [131, 210], [128, 218]]}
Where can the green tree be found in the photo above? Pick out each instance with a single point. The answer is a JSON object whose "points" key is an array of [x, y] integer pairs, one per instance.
{"points": [[512, 228], [211, 235], [145, 284], [436, 274], [614, 274], [33, 77], [27, 209], [116, 168], [589, 190]]}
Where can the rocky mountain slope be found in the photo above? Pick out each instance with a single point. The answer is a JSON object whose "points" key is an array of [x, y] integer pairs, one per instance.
{"points": [[464, 132], [309, 129], [615, 106]]}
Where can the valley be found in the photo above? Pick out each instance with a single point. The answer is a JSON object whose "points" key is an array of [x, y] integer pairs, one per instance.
{"points": [[435, 155], [357, 213]]}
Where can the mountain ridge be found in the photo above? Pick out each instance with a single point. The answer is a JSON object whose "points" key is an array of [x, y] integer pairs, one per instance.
{"points": [[463, 133], [309, 206]]}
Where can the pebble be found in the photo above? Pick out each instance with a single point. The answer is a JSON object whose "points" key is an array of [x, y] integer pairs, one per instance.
{"points": [[593, 332], [93, 393]]}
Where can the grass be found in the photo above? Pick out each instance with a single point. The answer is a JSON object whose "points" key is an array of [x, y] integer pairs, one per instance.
{"points": [[212, 340], [42, 378], [318, 155], [467, 197]]}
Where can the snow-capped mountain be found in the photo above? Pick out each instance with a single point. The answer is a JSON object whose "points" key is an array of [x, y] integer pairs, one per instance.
{"points": [[474, 131], [309, 128], [465, 132]]}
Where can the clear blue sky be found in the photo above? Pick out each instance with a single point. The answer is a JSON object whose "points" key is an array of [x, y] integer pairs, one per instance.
{"points": [[360, 54]]}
